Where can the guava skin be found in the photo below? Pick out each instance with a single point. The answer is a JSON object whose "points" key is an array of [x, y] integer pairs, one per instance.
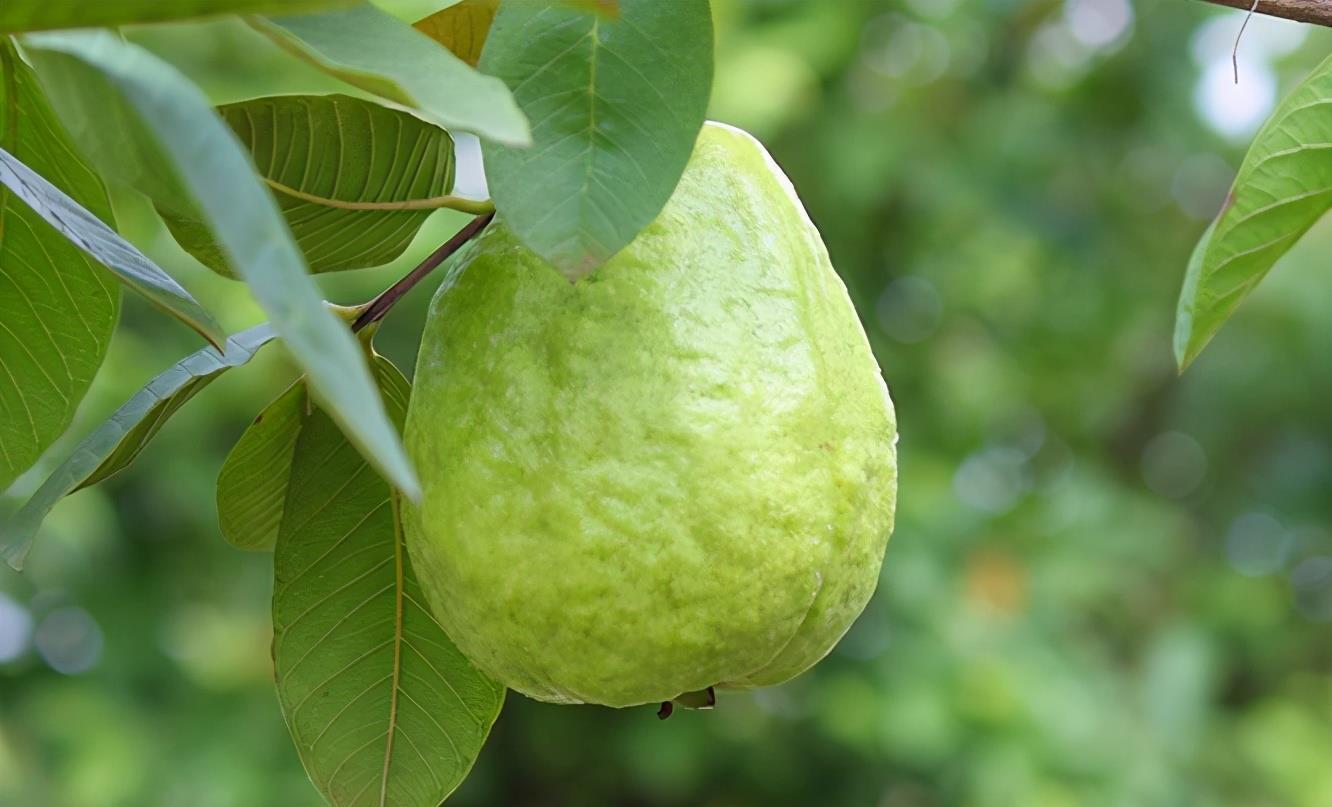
{"points": [[678, 472]]}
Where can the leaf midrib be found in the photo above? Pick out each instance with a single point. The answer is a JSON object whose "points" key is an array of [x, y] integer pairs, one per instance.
{"points": [[398, 590]]}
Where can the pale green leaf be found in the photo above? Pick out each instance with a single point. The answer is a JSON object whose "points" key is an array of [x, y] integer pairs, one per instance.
{"points": [[384, 710], [615, 107], [413, 10], [87, 232], [252, 486], [37, 15], [1188, 299], [204, 155], [355, 180], [372, 50], [57, 308], [113, 445], [1283, 186]]}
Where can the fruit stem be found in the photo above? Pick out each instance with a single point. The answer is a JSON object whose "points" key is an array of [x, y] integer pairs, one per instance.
{"points": [[378, 307]]}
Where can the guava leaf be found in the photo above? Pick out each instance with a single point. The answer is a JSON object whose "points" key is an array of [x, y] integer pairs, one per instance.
{"points": [[372, 50], [57, 307], [252, 486], [113, 445], [461, 28], [1283, 186], [381, 705], [615, 106], [205, 157], [37, 15], [87, 232], [355, 180]]}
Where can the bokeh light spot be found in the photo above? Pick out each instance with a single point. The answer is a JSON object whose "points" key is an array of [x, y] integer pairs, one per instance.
{"points": [[1098, 23], [1257, 544], [15, 629], [992, 480], [1312, 582], [1173, 464], [69, 640]]}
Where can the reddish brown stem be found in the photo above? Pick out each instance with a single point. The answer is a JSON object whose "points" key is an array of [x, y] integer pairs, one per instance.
{"points": [[381, 305]]}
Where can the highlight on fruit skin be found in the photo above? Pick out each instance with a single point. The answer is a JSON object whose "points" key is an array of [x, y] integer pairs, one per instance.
{"points": [[676, 474]]}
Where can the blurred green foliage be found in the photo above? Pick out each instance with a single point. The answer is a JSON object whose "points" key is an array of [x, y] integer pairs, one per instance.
{"points": [[1108, 584]]}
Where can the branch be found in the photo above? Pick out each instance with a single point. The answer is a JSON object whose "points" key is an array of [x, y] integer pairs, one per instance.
{"points": [[1316, 12], [380, 306]]}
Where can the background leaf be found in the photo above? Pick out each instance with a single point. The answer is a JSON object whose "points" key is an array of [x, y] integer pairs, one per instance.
{"points": [[90, 234], [320, 152], [113, 446], [461, 28], [1283, 186], [382, 707], [370, 49], [57, 308], [206, 158], [606, 8], [615, 107], [36, 15], [252, 486]]}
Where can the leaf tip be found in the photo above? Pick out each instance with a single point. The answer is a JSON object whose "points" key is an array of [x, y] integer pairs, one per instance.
{"points": [[409, 486], [16, 554]]}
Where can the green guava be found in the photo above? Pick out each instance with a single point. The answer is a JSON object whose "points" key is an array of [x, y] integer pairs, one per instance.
{"points": [[678, 472]]}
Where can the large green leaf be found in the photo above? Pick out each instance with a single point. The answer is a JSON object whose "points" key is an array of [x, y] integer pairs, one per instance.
{"points": [[615, 106], [1283, 186], [57, 308], [90, 234], [355, 180], [370, 49], [383, 708], [113, 445], [193, 144], [252, 486], [37, 15]]}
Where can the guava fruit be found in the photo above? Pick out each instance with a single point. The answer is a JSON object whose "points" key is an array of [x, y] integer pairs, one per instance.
{"points": [[678, 472]]}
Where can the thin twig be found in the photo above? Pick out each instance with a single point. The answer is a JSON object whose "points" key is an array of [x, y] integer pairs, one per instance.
{"points": [[380, 306], [1316, 12], [1234, 53]]}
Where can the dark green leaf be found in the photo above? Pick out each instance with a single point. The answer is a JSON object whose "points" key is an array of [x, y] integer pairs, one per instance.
{"points": [[382, 707], [114, 445], [615, 107], [57, 308], [90, 234], [37, 15], [339, 167], [367, 48], [205, 157], [252, 486], [1283, 186], [109, 131]]}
